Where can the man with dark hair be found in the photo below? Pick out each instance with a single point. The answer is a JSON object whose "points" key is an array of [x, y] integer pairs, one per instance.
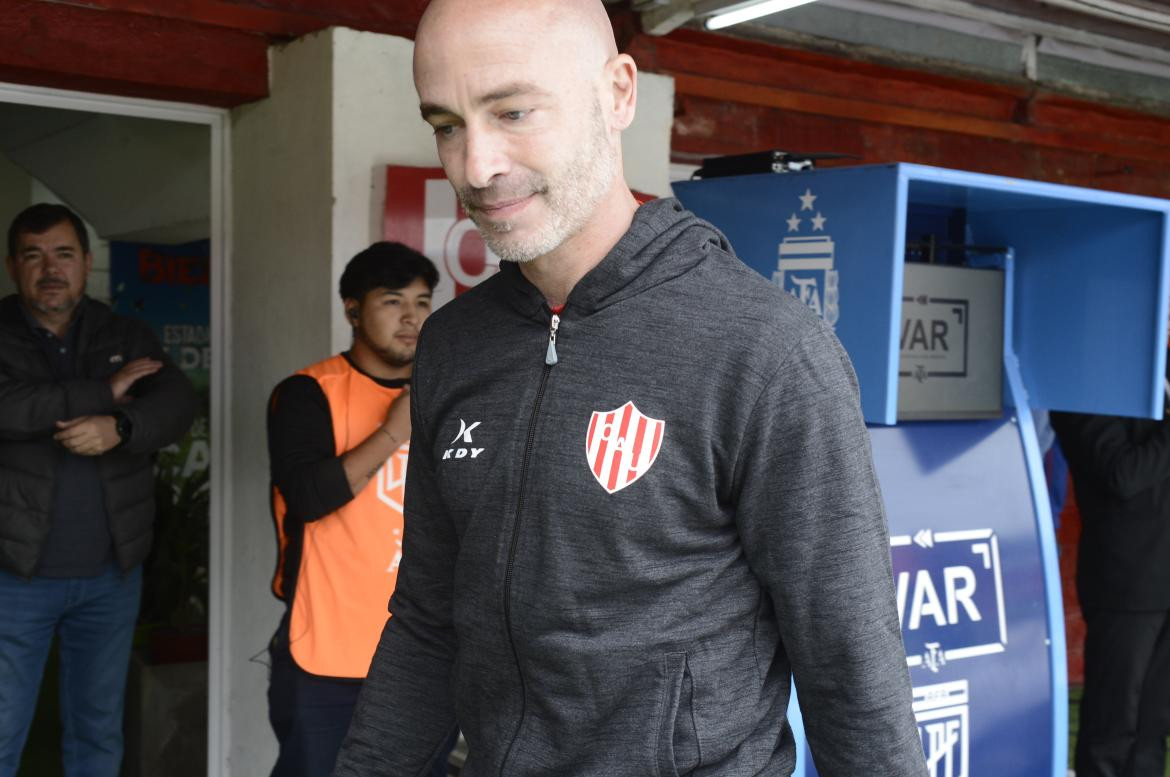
{"points": [[86, 398], [338, 435]]}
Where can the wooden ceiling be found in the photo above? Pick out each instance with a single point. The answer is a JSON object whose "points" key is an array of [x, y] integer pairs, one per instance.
{"points": [[212, 52]]}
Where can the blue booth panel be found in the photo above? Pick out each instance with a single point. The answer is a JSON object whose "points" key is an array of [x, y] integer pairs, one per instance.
{"points": [[1090, 285], [832, 239], [1084, 314]]}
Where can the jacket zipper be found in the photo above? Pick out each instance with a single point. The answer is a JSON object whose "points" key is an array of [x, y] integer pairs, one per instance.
{"points": [[550, 359]]}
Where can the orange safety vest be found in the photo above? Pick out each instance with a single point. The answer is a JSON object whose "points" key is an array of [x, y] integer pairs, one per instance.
{"points": [[349, 558]]}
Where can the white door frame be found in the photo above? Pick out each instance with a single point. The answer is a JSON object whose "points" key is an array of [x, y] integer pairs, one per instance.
{"points": [[218, 120]]}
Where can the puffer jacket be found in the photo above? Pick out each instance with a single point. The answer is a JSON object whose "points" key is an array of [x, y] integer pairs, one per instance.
{"points": [[32, 401]]}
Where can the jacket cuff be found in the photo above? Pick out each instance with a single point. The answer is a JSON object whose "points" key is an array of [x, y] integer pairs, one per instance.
{"points": [[88, 397]]}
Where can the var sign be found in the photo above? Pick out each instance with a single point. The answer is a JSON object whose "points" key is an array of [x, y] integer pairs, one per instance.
{"points": [[934, 337], [949, 587]]}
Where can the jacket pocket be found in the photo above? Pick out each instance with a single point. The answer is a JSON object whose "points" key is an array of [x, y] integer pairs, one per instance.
{"points": [[678, 740]]}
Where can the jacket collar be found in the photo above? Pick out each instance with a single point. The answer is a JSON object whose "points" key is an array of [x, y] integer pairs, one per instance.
{"points": [[663, 242], [91, 316]]}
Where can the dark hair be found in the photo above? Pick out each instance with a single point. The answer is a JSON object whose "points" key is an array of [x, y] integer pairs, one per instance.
{"points": [[40, 218], [385, 265]]}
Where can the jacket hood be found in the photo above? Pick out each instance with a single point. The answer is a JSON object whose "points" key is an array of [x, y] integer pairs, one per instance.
{"points": [[646, 256]]}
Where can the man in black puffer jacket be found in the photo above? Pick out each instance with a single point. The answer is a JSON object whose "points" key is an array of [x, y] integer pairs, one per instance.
{"points": [[86, 399]]}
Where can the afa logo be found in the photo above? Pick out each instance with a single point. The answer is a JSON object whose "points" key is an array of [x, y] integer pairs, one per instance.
{"points": [[390, 485], [805, 268], [942, 712]]}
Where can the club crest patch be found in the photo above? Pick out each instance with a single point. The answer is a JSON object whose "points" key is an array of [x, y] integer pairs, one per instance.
{"points": [[621, 445]]}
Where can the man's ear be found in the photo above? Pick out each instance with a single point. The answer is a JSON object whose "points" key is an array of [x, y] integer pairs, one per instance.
{"points": [[621, 81], [352, 311], [10, 263]]}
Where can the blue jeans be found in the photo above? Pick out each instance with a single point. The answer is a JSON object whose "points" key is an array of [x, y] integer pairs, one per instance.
{"points": [[93, 618], [310, 715]]}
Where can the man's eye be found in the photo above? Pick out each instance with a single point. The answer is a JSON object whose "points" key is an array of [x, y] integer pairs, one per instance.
{"points": [[513, 115], [445, 130]]}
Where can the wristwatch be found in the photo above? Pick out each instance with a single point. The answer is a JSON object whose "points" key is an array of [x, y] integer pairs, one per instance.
{"points": [[122, 426]]}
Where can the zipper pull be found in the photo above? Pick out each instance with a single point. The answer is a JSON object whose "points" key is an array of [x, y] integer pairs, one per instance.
{"points": [[550, 356]]}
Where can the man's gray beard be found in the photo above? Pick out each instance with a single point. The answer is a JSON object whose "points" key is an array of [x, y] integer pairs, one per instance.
{"points": [[67, 305], [571, 200]]}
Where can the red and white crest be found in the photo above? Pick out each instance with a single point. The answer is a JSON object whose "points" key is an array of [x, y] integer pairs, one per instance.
{"points": [[621, 445]]}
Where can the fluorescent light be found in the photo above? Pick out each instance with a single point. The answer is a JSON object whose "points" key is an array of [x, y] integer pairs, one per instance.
{"points": [[752, 11]]}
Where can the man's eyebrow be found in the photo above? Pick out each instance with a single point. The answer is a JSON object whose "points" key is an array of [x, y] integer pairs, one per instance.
{"points": [[504, 92], [510, 90], [429, 110]]}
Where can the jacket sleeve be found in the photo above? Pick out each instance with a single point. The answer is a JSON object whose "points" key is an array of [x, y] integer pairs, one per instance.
{"points": [[162, 405], [302, 453], [1101, 447], [31, 410], [814, 531], [405, 712]]}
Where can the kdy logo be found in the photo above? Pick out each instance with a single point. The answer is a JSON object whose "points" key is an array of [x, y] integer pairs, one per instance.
{"points": [[462, 446], [621, 445]]}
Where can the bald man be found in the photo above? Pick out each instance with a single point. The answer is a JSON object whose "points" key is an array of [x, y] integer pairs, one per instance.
{"points": [[640, 495]]}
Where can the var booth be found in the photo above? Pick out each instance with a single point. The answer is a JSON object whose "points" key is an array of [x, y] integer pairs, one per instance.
{"points": [[967, 302]]}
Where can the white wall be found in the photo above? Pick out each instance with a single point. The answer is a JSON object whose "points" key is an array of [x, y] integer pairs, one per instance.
{"points": [[375, 123], [646, 144], [15, 193], [308, 187], [280, 313]]}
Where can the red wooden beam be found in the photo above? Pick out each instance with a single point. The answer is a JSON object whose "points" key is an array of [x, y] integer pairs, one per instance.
{"points": [[67, 46], [276, 18], [1073, 139], [734, 96]]}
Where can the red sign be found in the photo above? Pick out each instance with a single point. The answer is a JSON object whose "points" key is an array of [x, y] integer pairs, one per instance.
{"points": [[423, 212]]}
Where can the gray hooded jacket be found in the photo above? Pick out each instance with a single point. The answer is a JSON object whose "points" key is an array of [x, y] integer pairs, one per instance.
{"points": [[628, 594]]}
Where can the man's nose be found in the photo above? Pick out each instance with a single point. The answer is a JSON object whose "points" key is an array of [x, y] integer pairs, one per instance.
{"points": [[484, 157]]}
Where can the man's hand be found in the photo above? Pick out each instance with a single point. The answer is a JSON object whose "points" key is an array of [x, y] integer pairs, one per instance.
{"points": [[397, 423], [123, 379], [362, 462], [89, 435]]}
